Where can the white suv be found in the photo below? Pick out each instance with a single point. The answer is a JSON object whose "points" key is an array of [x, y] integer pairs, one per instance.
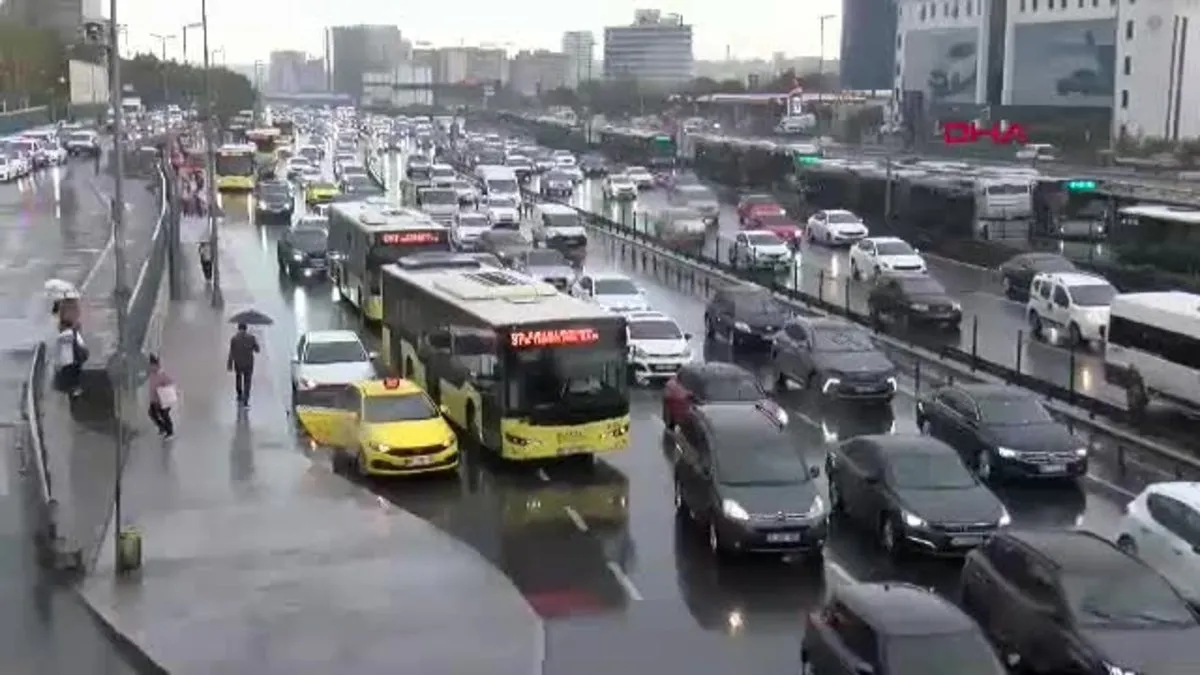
{"points": [[1162, 527], [759, 249], [657, 347], [1072, 303]]}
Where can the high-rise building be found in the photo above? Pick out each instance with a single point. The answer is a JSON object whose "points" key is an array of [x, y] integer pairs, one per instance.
{"points": [[868, 55], [579, 46], [535, 72], [485, 64], [285, 70], [655, 50], [64, 17], [352, 51]]}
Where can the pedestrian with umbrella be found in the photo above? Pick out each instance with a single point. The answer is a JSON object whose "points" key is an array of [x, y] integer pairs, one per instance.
{"points": [[243, 348]]}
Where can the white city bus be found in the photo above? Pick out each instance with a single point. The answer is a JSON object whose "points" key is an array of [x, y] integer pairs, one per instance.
{"points": [[1153, 348]]}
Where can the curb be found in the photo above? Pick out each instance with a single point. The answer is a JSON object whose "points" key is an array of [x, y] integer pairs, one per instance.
{"points": [[129, 651]]}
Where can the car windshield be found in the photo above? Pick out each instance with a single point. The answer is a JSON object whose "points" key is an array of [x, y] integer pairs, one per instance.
{"points": [[353, 170], [657, 329], [763, 239], [842, 339], [621, 180], [81, 136], [759, 200], [725, 388], [340, 351], [545, 257], [637, 170], [443, 172], [697, 193], [927, 471], [309, 239], [506, 238], [502, 202], [562, 220], [273, 189], [439, 197], [1012, 411], [462, 185], [1125, 596], [760, 458], [1093, 295], [558, 177], [942, 654], [893, 248], [775, 220], [472, 221], [615, 287], [843, 217], [398, 408], [922, 286], [1052, 263]]}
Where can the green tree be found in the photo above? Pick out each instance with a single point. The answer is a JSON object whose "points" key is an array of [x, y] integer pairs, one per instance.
{"points": [[160, 83], [32, 66]]}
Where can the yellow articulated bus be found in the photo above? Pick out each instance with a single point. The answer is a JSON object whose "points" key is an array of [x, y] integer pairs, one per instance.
{"points": [[366, 235], [523, 370], [235, 167]]}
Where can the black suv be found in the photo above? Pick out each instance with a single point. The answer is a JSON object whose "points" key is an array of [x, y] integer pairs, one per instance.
{"points": [[744, 314], [1067, 601], [302, 252], [893, 628], [908, 298], [739, 475], [273, 200]]}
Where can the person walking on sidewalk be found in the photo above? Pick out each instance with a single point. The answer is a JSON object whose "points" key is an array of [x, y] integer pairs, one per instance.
{"points": [[97, 156], [242, 348], [71, 354], [204, 250], [163, 397]]}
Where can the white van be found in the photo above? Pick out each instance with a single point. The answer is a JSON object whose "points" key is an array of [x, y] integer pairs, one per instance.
{"points": [[499, 181], [1071, 303], [1154, 348]]}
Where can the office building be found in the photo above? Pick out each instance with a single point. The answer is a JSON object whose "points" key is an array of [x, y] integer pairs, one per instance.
{"points": [[868, 52], [532, 73], [940, 51], [353, 51], [579, 46], [655, 50], [64, 17], [487, 64], [380, 89], [285, 70]]}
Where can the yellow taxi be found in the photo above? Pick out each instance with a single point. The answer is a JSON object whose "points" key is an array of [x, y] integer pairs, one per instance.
{"points": [[320, 191], [386, 427]]}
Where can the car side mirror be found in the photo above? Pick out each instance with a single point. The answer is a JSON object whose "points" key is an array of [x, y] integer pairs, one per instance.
{"points": [[814, 471], [688, 336], [372, 355]]}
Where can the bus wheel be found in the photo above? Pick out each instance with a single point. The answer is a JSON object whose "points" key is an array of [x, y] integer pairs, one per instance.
{"points": [[472, 427], [408, 367]]}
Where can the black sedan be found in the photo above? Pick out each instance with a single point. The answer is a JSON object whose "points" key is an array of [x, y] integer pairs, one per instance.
{"points": [[1017, 272], [273, 202], [507, 245], [302, 252], [912, 493], [593, 166], [1002, 432], [835, 358], [911, 298], [548, 265]]}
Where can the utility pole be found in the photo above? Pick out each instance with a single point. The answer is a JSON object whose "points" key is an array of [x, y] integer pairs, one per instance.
{"points": [[120, 282], [162, 41], [210, 163], [821, 59], [186, 27]]}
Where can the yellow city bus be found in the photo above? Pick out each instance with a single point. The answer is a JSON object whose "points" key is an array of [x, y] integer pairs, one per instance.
{"points": [[366, 235], [266, 142], [235, 167], [525, 371]]}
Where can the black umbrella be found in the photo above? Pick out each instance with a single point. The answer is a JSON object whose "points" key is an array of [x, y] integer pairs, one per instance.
{"points": [[251, 317]]}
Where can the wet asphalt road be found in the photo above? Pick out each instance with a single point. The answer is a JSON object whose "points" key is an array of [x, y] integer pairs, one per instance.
{"points": [[52, 223], [634, 591]]}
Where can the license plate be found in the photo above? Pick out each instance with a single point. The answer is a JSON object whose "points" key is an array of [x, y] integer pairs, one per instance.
{"points": [[864, 388], [1053, 468], [783, 537], [420, 461], [572, 450], [966, 541], [664, 368]]}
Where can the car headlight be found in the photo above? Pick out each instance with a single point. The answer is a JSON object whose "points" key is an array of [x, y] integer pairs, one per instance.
{"points": [[1007, 453], [741, 326], [380, 447], [297, 256], [919, 307], [913, 520], [733, 510], [638, 352], [817, 508], [1005, 519], [517, 440], [1118, 670], [831, 381], [957, 306], [1081, 452]]}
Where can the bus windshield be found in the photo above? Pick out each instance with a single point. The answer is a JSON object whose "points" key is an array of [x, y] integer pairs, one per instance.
{"points": [[567, 384], [263, 143], [235, 164], [502, 186]]}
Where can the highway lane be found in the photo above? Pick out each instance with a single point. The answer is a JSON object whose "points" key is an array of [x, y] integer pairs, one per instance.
{"points": [[52, 223]]}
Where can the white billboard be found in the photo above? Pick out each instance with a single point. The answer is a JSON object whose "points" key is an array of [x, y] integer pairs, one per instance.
{"points": [[88, 82]]}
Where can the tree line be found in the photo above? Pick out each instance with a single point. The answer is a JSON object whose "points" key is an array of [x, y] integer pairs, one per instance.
{"points": [[33, 72]]}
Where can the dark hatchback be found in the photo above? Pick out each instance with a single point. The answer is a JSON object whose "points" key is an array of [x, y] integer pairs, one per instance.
{"points": [[1017, 273], [1002, 432], [739, 475], [303, 252], [1068, 601], [593, 166], [273, 202], [745, 315], [912, 493], [699, 383], [908, 298]]}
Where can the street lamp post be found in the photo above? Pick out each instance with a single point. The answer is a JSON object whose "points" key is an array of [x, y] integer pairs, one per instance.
{"points": [[162, 41], [184, 32], [258, 87], [821, 58], [210, 162]]}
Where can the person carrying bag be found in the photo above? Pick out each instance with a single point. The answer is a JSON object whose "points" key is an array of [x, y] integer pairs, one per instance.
{"points": [[163, 397]]}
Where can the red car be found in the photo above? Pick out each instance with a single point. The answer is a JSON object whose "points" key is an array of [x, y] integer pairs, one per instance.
{"points": [[784, 227], [709, 382], [751, 206]]}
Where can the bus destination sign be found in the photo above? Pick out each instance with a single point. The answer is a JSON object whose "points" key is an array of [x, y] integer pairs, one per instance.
{"points": [[421, 237], [553, 337]]}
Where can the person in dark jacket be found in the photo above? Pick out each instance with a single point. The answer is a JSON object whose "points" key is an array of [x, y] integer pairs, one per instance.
{"points": [[242, 348]]}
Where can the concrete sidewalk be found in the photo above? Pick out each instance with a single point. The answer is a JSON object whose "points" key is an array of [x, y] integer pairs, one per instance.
{"points": [[257, 558]]}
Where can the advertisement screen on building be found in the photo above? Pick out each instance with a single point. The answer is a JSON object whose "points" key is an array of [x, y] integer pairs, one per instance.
{"points": [[944, 64], [1064, 63]]}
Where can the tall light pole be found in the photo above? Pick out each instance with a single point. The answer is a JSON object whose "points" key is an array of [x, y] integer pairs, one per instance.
{"points": [[821, 58], [258, 87], [162, 41], [120, 282], [210, 162], [184, 32]]}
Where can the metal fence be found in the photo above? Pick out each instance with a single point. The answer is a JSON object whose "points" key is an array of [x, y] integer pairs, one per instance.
{"points": [[153, 271]]}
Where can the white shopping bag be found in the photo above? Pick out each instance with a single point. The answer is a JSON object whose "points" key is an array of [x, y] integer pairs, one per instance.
{"points": [[168, 396]]}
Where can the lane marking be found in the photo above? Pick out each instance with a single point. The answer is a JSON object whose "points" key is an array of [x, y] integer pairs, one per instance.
{"points": [[580, 524], [541, 474], [626, 583]]}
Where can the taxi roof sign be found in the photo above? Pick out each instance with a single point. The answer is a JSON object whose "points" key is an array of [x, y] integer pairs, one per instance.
{"points": [[391, 383]]}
